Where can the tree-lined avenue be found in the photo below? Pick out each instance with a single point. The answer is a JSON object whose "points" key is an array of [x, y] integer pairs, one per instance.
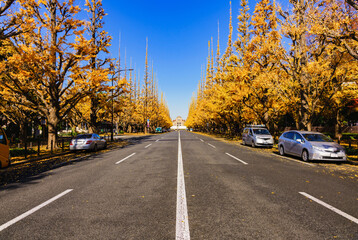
{"points": [[131, 193]]}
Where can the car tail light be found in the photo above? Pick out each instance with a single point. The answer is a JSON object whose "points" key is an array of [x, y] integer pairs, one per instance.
{"points": [[71, 143], [88, 142]]}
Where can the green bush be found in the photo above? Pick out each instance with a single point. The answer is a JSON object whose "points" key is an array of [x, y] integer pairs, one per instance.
{"points": [[351, 151], [350, 136]]}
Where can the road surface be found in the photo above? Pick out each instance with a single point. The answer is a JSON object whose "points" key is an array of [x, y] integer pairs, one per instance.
{"points": [[181, 185]]}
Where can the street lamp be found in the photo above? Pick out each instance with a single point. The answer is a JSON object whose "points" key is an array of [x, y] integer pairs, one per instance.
{"points": [[120, 70]]}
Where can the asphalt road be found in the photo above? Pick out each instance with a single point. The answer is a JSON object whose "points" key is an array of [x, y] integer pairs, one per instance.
{"points": [[176, 185]]}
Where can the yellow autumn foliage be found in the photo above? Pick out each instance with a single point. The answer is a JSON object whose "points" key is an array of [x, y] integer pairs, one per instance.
{"points": [[288, 64]]}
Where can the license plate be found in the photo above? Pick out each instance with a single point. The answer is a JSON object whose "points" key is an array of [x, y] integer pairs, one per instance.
{"points": [[334, 155]]}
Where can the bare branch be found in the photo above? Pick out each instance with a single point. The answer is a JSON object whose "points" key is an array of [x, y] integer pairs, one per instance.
{"points": [[353, 3]]}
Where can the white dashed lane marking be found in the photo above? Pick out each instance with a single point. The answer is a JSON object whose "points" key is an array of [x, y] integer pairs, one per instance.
{"points": [[243, 162], [125, 158], [211, 145], [24, 215], [343, 214]]}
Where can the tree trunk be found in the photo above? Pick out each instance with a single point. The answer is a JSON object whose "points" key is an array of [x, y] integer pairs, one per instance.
{"points": [[93, 117], [52, 121], [337, 126], [23, 132], [309, 125]]}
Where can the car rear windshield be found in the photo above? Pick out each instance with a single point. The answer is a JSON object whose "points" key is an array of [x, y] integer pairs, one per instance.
{"points": [[311, 137], [84, 136], [261, 131]]}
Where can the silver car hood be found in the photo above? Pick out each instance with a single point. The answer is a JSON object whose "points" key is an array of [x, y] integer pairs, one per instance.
{"points": [[330, 146]]}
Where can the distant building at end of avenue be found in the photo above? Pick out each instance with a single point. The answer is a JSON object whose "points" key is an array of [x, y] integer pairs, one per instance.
{"points": [[178, 124]]}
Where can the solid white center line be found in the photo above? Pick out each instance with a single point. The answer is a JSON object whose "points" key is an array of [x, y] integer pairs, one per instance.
{"points": [[22, 216], [182, 221], [211, 145], [236, 158], [353, 219], [147, 146], [125, 158]]}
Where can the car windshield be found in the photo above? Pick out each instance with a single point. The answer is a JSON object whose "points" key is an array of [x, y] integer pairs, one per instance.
{"points": [[84, 136], [314, 137], [261, 131]]}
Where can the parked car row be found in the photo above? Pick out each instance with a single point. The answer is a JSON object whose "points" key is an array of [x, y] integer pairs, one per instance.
{"points": [[307, 145]]}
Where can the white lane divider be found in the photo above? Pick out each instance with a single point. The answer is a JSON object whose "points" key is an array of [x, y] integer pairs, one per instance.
{"points": [[148, 146], [125, 158], [343, 214], [201, 140], [157, 140], [211, 145], [182, 221], [24, 215], [236, 158]]}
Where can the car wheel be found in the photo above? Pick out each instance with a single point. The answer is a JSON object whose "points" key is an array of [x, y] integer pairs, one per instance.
{"points": [[305, 155], [253, 144], [105, 146], [95, 148], [282, 151], [243, 142]]}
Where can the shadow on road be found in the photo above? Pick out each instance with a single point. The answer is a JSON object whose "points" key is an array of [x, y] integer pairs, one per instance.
{"points": [[32, 172]]}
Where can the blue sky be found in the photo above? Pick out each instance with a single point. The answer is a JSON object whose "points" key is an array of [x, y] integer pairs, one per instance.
{"points": [[178, 33]]}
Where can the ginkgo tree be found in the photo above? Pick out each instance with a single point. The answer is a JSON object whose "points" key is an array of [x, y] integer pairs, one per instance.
{"points": [[261, 65], [314, 64], [299, 64], [55, 66], [47, 65], [98, 72], [12, 19]]}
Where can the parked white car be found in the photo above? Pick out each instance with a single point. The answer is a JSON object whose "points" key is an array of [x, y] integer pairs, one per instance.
{"points": [[90, 142], [257, 136], [310, 146]]}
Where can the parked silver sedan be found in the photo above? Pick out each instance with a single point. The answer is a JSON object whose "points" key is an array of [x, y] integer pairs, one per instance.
{"points": [[91, 142], [310, 146]]}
